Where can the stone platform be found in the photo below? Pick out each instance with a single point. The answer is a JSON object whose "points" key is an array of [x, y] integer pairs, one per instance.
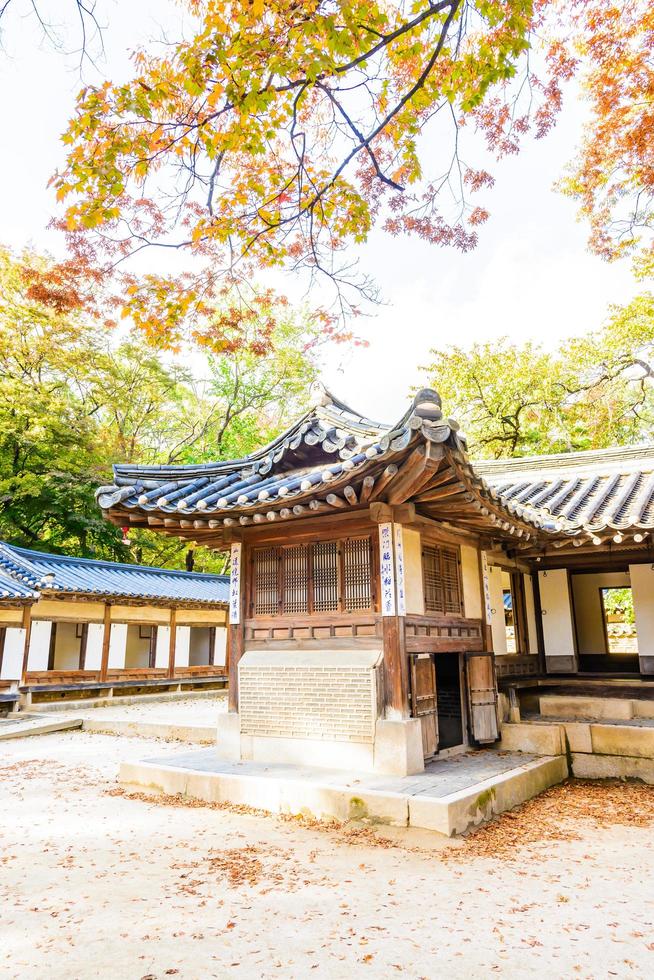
{"points": [[450, 796]]}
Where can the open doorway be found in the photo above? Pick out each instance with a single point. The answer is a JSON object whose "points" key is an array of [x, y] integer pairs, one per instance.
{"points": [[605, 623], [619, 620], [448, 700]]}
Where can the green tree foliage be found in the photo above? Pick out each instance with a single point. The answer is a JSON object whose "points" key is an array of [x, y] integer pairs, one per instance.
{"points": [[74, 399], [520, 399]]}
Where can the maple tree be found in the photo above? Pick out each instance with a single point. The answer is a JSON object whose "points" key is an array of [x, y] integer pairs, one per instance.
{"points": [[613, 174], [591, 392], [74, 398], [281, 132]]}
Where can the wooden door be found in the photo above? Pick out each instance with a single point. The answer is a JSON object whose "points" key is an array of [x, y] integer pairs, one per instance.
{"points": [[423, 701], [482, 697], [498, 621], [558, 624]]}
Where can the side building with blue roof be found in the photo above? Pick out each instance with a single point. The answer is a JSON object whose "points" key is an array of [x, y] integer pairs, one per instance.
{"points": [[70, 624]]}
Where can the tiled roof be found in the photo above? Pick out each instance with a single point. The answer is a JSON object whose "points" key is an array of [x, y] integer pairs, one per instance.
{"points": [[330, 430], [593, 491], [331, 449], [11, 588], [333, 458], [38, 572]]}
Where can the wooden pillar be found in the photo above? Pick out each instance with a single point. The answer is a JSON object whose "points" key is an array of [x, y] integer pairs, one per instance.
{"points": [[27, 626], [396, 667], [82, 646], [234, 654], [172, 643], [106, 640]]}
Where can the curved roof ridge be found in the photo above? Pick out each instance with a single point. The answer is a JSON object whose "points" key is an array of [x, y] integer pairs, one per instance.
{"points": [[595, 460], [54, 558]]}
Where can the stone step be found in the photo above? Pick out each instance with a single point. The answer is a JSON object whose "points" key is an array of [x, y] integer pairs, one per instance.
{"points": [[400, 801], [595, 708], [595, 749], [35, 725]]}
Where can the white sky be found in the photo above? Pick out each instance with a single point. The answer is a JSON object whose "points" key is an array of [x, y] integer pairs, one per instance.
{"points": [[531, 275]]}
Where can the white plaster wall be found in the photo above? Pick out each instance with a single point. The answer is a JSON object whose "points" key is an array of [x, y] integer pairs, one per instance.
{"points": [[162, 649], [198, 649], [137, 649], [498, 622], [530, 608], [182, 643], [94, 646], [117, 645], [12, 658], [472, 597], [413, 587], [220, 649], [588, 608], [642, 586], [558, 627], [67, 647], [39, 645]]}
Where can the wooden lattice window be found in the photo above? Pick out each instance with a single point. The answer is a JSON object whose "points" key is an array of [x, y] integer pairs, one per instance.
{"points": [[356, 572], [295, 592], [442, 581], [266, 577], [324, 577]]}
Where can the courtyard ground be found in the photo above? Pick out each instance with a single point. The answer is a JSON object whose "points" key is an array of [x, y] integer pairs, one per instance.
{"points": [[95, 883], [180, 711]]}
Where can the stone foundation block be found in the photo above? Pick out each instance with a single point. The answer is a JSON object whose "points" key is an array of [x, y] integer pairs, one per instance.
{"points": [[228, 740], [586, 766], [643, 709], [536, 739], [398, 747], [579, 737], [558, 706], [623, 740]]}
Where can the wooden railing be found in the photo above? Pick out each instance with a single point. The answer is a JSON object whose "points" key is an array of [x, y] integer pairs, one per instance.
{"points": [[517, 665], [442, 634], [314, 629]]}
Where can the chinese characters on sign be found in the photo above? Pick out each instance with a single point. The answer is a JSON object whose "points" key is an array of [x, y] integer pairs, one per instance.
{"points": [[235, 585], [399, 571], [487, 595], [386, 570]]}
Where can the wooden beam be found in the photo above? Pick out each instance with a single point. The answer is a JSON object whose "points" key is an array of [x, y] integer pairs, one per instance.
{"points": [[351, 496], [382, 482], [416, 471], [172, 644], [27, 626], [380, 513], [106, 639], [335, 501], [366, 489]]}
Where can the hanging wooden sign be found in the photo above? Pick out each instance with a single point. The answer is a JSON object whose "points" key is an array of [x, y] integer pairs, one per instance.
{"points": [[399, 570], [386, 569], [235, 585]]}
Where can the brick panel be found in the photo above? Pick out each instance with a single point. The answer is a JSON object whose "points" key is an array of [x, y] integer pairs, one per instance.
{"points": [[308, 701]]}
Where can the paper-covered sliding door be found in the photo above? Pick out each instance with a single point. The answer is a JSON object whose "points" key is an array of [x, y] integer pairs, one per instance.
{"points": [[559, 637], [482, 697]]}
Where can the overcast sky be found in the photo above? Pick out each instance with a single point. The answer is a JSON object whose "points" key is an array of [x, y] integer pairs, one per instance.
{"points": [[531, 275]]}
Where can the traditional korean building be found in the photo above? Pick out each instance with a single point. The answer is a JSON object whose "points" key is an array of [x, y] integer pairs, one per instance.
{"points": [[76, 623], [381, 581]]}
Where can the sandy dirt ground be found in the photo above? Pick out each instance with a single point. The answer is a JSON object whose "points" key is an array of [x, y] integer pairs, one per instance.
{"points": [[185, 711], [95, 883]]}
